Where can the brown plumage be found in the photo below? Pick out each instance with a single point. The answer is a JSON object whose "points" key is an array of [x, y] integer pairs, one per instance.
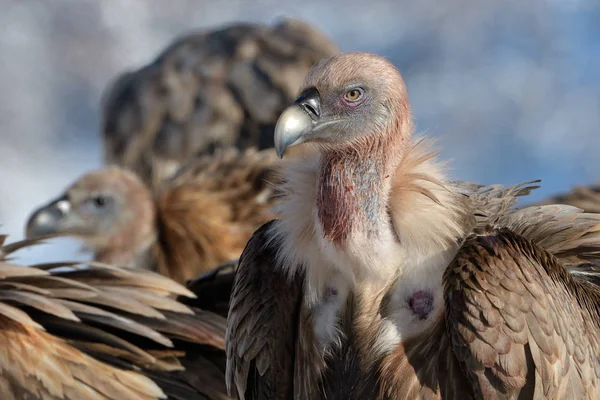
{"points": [[201, 217], [224, 87], [584, 197], [70, 332], [382, 279]]}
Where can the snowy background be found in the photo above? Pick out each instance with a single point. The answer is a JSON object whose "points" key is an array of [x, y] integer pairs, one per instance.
{"points": [[511, 87]]}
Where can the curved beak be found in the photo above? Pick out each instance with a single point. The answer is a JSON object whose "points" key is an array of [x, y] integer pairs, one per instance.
{"points": [[298, 121], [48, 219]]}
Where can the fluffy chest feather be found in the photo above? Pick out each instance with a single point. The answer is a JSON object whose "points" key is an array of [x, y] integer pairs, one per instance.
{"points": [[354, 327], [386, 311]]}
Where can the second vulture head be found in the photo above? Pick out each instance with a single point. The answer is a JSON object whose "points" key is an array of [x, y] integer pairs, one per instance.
{"points": [[105, 208]]}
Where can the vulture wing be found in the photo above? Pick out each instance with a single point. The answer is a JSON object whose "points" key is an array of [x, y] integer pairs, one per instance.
{"points": [[72, 331], [522, 300], [200, 94], [520, 325], [261, 332], [492, 202], [210, 209]]}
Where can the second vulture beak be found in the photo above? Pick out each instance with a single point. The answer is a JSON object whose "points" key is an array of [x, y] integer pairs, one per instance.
{"points": [[47, 219], [297, 121]]}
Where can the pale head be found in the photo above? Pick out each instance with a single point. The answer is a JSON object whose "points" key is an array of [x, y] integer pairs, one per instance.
{"points": [[346, 100], [110, 209]]}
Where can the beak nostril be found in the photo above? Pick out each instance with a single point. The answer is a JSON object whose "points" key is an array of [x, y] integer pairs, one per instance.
{"points": [[311, 109], [310, 102]]}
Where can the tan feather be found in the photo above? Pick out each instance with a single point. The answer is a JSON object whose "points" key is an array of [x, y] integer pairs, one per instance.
{"points": [[70, 331]]}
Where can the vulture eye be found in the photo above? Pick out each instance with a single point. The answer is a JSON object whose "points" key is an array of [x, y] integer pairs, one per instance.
{"points": [[97, 204], [100, 201], [354, 96]]}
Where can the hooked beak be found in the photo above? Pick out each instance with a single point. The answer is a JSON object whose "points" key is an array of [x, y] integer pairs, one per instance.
{"points": [[297, 121], [48, 219]]}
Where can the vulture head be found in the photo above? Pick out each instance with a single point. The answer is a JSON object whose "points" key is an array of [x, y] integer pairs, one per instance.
{"points": [[110, 209], [354, 109], [347, 101]]}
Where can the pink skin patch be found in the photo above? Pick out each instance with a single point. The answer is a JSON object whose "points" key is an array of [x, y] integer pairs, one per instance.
{"points": [[330, 292], [421, 304]]}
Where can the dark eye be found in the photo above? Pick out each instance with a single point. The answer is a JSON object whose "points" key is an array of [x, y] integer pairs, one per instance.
{"points": [[100, 201], [98, 204], [353, 94]]}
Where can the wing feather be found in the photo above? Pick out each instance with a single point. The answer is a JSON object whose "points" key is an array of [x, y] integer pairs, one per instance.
{"points": [[93, 331], [262, 323], [518, 312]]}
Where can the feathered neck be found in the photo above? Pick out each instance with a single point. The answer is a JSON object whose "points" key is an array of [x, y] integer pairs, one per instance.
{"points": [[127, 254], [131, 245]]}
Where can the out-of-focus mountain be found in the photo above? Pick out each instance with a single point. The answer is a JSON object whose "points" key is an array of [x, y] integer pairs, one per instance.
{"points": [[512, 88]]}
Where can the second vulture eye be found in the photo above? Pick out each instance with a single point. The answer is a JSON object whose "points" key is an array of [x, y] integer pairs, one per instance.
{"points": [[353, 95], [100, 201], [97, 205]]}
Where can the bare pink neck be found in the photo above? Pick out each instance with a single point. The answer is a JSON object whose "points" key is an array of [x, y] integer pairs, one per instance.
{"points": [[353, 188]]}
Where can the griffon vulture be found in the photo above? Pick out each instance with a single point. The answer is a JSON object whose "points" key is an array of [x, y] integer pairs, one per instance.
{"points": [[201, 217], [201, 93], [73, 332], [383, 280]]}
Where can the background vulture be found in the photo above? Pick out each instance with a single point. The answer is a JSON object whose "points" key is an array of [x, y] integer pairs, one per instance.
{"points": [[71, 332], [201, 217], [217, 88], [585, 197], [384, 280]]}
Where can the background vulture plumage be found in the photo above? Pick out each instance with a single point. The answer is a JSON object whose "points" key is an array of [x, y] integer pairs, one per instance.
{"points": [[70, 332], [382, 279], [224, 87], [199, 218], [584, 197]]}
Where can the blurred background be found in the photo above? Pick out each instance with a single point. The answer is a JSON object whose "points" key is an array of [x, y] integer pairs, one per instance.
{"points": [[511, 88]]}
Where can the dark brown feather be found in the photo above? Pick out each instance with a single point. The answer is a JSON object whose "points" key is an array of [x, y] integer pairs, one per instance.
{"points": [[262, 326]]}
